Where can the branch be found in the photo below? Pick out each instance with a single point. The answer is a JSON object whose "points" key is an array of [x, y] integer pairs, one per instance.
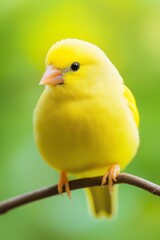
{"points": [[20, 200]]}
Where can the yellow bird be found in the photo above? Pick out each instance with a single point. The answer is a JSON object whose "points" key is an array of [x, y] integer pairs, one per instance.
{"points": [[86, 120]]}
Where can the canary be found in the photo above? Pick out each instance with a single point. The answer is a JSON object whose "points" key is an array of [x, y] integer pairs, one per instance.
{"points": [[86, 120]]}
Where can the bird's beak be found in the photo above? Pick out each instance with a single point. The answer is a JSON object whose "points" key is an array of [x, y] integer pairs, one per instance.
{"points": [[52, 76]]}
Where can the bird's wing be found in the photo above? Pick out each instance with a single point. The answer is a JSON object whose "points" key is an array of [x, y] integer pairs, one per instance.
{"points": [[132, 104]]}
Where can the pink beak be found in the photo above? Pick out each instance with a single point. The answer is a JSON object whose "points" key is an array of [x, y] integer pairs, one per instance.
{"points": [[52, 76]]}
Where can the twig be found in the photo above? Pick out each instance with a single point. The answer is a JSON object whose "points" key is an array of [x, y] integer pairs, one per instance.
{"points": [[18, 201]]}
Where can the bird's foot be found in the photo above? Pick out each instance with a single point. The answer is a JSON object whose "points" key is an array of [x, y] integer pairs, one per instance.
{"points": [[63, 181], [111, 174]]}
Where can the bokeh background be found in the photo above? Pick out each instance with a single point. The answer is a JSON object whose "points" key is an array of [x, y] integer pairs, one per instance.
{"points": [[129, 33]]}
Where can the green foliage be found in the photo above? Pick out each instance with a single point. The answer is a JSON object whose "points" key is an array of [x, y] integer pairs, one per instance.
{"points": [[129, 32]]}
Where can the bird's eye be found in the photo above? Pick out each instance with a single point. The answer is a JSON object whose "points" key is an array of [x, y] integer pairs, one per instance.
{"points": [[75, 66]]}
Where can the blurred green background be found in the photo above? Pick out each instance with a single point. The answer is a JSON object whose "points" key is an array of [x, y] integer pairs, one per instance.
{"points": [[129, 33]]}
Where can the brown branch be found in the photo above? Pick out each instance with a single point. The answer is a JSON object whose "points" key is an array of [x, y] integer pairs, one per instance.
{"points": [[18, 201]]}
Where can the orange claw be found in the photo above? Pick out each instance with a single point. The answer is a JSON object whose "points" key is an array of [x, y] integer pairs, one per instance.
{"points": [[63, 180], [111, 174]]}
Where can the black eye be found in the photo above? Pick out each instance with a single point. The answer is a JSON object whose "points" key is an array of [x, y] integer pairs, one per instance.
{"points": [[75, 66]]}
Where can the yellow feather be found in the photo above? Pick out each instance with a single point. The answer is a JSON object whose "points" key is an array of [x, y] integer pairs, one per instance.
{"points": [[101, 202], [132, 104]]}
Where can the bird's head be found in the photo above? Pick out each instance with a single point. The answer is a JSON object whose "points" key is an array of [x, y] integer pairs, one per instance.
{"points": [[75, 66]]}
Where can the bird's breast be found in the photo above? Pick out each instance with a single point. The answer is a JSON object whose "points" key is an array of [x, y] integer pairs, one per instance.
{"points": [[85, 134]]}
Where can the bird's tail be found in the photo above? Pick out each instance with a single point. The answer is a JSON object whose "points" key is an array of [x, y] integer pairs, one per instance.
{"points": [[101, 202]]}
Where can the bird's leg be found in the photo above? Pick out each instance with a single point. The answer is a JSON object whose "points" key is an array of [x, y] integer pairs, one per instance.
{"points": [[63, 180], [111, 174]]}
